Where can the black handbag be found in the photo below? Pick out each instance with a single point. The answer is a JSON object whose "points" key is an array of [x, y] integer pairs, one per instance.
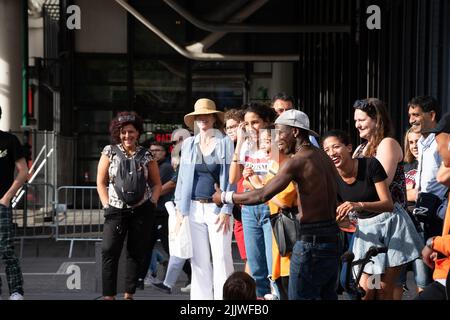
{"points": [[427, 205], [285, 229]]}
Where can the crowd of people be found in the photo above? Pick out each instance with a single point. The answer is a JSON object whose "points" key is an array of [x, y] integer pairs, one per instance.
{"points": [[242, 169], [236, 173]]}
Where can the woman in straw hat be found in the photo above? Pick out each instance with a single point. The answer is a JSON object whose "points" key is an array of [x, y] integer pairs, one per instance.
{"points": [[205, 160]]}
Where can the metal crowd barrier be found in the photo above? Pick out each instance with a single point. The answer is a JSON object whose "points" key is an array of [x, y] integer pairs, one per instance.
{"points": [[78, 215], [33, 212]]}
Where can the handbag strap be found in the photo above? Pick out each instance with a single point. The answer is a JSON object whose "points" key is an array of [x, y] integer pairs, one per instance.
{"points": [[420, 172]]}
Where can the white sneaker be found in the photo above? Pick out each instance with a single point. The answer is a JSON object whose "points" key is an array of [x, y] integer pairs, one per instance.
{"points": [[186, 289], [271, 296], [149, 280], [16, 296]]}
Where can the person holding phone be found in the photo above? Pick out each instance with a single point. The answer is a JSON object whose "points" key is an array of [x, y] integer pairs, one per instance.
{"points": [[251, 163]]}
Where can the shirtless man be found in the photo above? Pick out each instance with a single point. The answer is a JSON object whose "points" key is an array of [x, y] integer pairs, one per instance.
{"points": [[315, 177]]}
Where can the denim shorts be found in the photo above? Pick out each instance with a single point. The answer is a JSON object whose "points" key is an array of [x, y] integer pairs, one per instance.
{"points": [[393, 230]]}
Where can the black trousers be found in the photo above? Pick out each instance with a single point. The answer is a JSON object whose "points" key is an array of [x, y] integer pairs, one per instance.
{"points": [[160, 231], [136, 226]]}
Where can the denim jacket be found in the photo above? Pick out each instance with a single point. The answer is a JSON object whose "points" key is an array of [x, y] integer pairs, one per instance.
{"points": [[183, 192]]}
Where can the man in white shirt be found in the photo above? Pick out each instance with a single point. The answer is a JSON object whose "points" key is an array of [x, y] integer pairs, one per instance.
{"points": [[424, 113]]}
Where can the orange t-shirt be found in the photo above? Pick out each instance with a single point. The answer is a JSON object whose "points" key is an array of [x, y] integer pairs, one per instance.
{"points": [[287, 197], [442, 245]]}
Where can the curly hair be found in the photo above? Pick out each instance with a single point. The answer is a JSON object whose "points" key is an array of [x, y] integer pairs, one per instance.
{"points": [[123, 119], [239, 286], [263, 111], [376, 109], [235, 114]]}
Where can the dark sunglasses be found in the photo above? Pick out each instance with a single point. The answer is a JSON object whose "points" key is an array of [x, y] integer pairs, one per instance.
{"points": [[365, 106], [126, 118]]}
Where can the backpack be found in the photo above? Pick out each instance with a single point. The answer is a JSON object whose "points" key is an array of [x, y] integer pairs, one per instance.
{"points": [[130, 182]]}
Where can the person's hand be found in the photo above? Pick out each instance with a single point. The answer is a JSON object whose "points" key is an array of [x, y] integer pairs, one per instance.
{"points": [[344, 222], [346, 207], [217, 196], [240, 133], [247, 172], [4, 202], [223, 220], [429, 256], [154, 202]]}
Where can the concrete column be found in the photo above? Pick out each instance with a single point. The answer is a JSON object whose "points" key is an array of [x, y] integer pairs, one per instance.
{"points": [[282, 78], [10, 64]]}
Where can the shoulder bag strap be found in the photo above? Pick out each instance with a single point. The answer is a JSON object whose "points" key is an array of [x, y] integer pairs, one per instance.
{"points": [[116, 150]]}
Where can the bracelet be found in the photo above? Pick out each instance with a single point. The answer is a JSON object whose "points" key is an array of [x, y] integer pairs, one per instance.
{"points": [[229, 197], [222, 196]]}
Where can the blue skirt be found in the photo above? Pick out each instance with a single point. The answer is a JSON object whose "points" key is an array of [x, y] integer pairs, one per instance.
{"points": [[393, 230]]}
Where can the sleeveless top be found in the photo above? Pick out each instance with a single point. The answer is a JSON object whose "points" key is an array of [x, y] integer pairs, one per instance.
{"points": [[398, 184]]}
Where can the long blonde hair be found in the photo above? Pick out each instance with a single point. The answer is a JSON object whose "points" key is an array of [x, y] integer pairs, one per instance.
{"points": [[409, 157]]}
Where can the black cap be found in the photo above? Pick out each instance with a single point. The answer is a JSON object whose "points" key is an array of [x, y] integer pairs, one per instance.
{"points": [[442, 126]]}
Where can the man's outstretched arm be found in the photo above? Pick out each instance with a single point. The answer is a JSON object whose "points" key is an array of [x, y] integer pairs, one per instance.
{"points": [[284, 176]]}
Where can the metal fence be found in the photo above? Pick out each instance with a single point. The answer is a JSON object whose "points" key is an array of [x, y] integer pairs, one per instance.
{"points": [[70, 213], [33, 212], [78, 215]]}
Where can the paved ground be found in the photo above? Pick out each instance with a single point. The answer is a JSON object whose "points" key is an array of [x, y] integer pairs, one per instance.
{"points": [[54, 278]]}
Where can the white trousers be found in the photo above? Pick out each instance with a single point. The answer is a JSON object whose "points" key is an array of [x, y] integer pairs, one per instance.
{"points": [[208, 279]]}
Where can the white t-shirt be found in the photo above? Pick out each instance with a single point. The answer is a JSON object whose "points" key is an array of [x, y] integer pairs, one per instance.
{"points": [[258, 160]]}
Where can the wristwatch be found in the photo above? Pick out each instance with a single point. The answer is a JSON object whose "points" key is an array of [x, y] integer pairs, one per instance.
{"points": [[429, 243]]}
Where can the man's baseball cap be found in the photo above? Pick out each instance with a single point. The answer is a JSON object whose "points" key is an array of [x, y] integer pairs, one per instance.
{"points": [[297, 119], [442, 126]]}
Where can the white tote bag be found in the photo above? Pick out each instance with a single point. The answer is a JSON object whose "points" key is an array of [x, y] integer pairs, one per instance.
{"points": [[180, 245]]}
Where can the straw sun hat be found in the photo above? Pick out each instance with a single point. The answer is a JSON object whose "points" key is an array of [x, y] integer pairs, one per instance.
{"points": [[202, 106]]}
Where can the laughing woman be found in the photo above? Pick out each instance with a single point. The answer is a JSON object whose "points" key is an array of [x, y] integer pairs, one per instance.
{"points": [[133, 221], [362, 188]]}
